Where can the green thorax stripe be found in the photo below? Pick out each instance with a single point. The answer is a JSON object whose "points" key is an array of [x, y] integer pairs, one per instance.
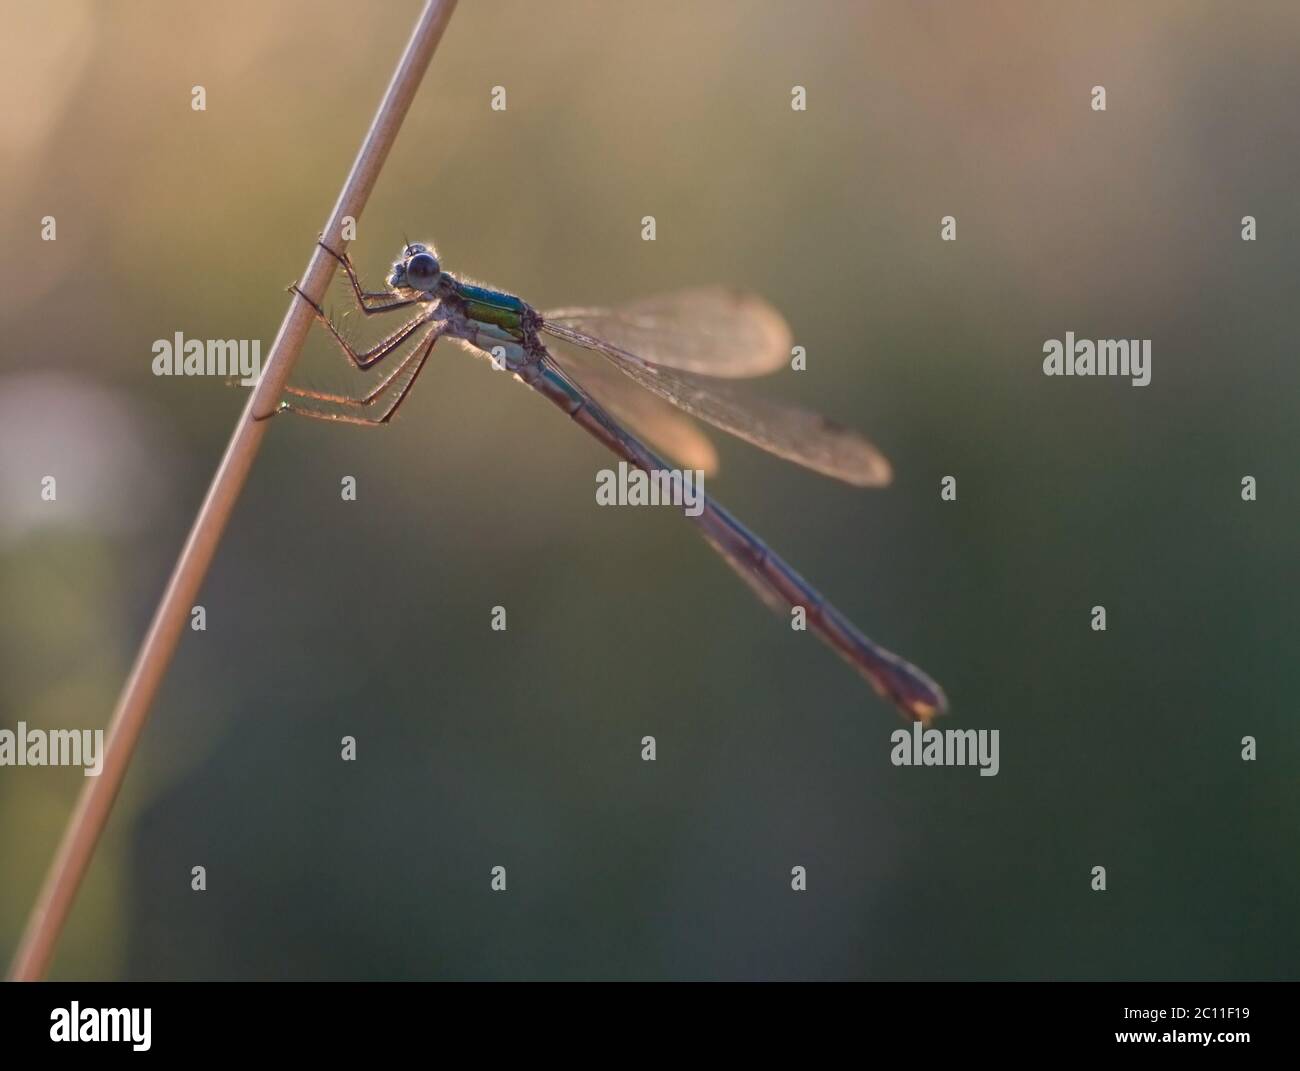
{"points": [[493, 307]]}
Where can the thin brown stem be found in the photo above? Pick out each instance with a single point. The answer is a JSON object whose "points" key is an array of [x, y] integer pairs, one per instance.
{"points": [[54, 902]]}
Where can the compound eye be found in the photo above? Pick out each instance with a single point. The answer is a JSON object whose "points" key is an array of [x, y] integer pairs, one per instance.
{"points": [[422, 271]]}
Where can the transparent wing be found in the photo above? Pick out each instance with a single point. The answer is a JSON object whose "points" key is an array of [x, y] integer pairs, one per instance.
{"points": [[660, 424], [711, 331], [797, 435]]}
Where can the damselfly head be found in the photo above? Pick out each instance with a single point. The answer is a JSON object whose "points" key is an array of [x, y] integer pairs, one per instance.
{"points": [[417, 269]]}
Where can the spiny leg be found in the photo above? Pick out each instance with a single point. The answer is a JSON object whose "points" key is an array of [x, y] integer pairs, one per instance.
{"points": [[418, 357], [366, 358], [389, 299], [380, 388]]}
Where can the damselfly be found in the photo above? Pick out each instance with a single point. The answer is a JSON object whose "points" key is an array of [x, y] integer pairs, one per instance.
{"points": [[676, 349]]}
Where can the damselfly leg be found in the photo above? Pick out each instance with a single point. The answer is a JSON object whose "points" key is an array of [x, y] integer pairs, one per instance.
{"points": [[410, 366], [365, 359], [413, 361], [384, 300]]}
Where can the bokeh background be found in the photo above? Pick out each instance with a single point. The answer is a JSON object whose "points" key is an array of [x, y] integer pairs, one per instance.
{"points": [[522, 748]]}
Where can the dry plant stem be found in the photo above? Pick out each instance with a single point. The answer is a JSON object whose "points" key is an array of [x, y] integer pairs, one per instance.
{"points": [[52, 906]]}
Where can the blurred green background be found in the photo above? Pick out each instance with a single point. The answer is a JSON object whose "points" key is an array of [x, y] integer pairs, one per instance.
{"points": [[521, 748]]}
